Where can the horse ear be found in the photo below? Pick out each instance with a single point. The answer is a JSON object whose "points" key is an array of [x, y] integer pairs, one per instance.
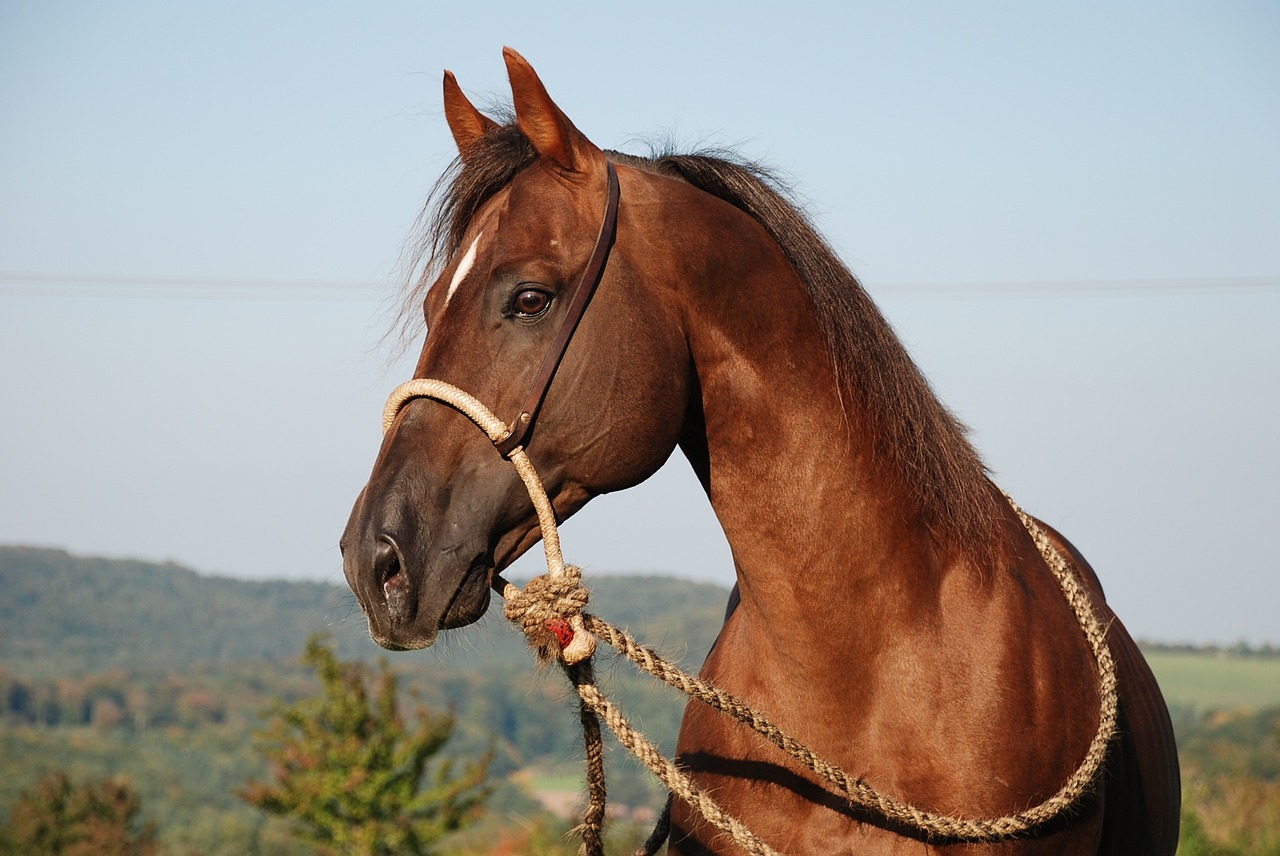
{"points": [[549, 130], [466, 122]]}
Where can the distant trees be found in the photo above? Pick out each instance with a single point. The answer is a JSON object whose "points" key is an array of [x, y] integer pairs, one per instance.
{"points": [[353, 777], [113, 699], [1231, 782], [59, 818]]}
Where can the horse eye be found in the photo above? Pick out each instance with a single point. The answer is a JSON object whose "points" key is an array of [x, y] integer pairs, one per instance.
{"points": [[530, 303]]}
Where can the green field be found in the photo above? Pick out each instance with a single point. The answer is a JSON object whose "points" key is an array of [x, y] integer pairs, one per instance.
{"points": [[1215, 680]]}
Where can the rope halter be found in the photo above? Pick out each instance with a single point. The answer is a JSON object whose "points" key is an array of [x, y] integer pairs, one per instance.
{"points": [[549, 610]]}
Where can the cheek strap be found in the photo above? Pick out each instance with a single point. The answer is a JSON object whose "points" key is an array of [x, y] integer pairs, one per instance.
{"points": [[578, 301]]}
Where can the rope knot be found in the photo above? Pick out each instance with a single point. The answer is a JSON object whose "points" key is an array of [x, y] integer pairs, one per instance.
{"points": [[549, 611]]}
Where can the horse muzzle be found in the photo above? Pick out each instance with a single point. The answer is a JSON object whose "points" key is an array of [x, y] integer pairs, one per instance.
{"points": [[410, 585]]}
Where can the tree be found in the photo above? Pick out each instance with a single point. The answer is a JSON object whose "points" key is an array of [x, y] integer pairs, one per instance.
{"points": [[58, 818], [353, 777]]}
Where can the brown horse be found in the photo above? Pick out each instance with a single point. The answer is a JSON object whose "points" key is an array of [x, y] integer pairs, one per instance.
{"points": [[891, 610]]}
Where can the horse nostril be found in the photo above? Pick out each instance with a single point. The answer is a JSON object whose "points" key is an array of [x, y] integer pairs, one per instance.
{"points": [[397, 592], [386, 561]]}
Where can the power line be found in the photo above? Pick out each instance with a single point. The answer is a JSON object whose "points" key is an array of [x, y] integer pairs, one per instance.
{"points": [[1059, 288], [221, 288], [185, 287]]}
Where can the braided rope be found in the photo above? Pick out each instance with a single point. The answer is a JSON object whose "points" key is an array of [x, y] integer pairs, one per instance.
{"points": [[865, 796], [560, 596], [676, 780], [583, 643], [497, 431], [591, 829]]}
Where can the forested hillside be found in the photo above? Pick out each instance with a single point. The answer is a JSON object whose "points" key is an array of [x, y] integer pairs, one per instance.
{"points": [[153, 671], [161, 675], [66, 615]]}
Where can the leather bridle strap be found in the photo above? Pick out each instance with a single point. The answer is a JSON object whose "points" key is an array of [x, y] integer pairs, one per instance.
{"points": [[577, 307]]}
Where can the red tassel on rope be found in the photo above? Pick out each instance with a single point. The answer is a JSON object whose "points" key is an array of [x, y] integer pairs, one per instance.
{"points": [[562, 630]]}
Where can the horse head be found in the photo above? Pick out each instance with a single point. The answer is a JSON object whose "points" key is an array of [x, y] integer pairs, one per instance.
{"points": [[442, 511]]}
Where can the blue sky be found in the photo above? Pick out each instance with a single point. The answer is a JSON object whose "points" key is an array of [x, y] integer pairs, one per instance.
{"points": [[1071, 212]]}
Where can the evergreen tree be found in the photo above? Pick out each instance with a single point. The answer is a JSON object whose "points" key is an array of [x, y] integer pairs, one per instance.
{"points": [[353, 777], [58, 818]]}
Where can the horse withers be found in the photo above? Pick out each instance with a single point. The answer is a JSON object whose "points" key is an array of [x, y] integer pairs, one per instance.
{"points": [[892, 611]]}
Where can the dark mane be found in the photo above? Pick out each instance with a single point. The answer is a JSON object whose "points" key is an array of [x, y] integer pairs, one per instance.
{"points": [[465, 186], [916, 438]]}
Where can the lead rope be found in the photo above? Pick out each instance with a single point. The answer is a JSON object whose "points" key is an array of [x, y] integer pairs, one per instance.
{"points": [[550, 612]]}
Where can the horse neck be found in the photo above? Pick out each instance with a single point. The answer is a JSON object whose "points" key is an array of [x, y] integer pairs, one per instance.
{"points": [[817, 528]]}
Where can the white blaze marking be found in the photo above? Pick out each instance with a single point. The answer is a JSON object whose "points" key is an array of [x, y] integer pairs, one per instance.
{"points": [[464, 268]]}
